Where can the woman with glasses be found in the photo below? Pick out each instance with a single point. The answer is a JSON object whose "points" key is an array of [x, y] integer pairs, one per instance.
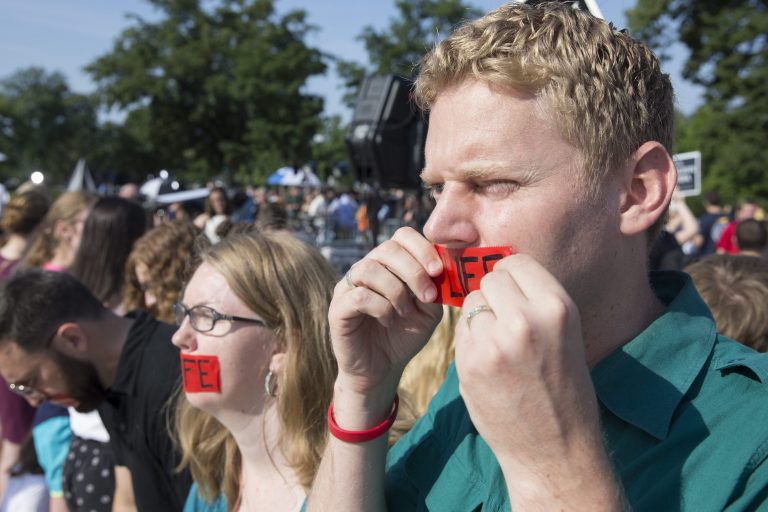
{"points": [[255, 313]]}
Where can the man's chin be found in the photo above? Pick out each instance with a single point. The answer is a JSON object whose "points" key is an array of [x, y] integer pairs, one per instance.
{"points": [[64, 402], [85, 407], [89, 405]]}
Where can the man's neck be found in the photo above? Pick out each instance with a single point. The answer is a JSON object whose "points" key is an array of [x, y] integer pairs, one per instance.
{"points": [[112, 334], [617, 318]]}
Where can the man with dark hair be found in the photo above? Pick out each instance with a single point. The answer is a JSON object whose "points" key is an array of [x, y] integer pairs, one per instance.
{"points": [[59, 343], [752, 237]]}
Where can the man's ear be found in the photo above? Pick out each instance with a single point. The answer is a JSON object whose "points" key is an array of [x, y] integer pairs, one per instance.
{"points": [[70, 339], [650, 179]]}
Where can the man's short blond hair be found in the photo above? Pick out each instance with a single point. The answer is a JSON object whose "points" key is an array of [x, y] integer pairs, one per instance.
{"points": [[604, 91]]}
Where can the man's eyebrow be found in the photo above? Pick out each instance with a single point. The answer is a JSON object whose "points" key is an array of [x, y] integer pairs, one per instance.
{"points": [[424, 177], [468, 175], [484, 172]]}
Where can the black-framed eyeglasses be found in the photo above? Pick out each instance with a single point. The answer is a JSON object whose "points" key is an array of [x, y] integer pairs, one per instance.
{"points": [[28, 391], [204, 318]]}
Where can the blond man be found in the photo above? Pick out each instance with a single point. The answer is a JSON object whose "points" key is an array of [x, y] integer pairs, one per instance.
{"points": [[579, 384]]}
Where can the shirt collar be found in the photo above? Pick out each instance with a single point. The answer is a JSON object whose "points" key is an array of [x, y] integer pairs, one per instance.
{"points": [[644, 381]]}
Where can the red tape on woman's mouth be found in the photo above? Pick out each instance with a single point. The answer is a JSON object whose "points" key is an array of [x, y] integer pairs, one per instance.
{"points": [[463, 269], [200, 374]]}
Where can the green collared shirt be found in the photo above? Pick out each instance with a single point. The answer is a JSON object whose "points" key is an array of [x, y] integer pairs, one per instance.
{"points": [[684, 413]]}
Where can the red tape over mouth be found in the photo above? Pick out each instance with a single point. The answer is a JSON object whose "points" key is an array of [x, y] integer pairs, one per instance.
{"points": [[200, 374], [463, 269]]}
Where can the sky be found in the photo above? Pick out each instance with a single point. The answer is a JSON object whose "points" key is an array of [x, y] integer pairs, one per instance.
{"points": [[66, 35]]}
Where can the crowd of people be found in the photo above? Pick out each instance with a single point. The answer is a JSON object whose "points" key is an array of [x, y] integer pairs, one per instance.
{"points": [[160, 359], [109, 439], [720, 229], [725, 251], [321, 215]]}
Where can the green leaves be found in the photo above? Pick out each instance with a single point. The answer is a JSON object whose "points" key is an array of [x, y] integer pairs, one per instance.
{"points": [[729, 57], [43, 125], [222, 86], [398, 48]]}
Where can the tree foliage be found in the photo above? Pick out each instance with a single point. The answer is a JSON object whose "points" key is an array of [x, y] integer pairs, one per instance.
{"points": [[43, 124], [215, 88], [729, 58], [398, 48], [328, 147]]}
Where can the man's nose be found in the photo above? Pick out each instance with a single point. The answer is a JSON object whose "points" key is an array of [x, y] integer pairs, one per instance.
{"points": [[33, 401], [451, 221]]}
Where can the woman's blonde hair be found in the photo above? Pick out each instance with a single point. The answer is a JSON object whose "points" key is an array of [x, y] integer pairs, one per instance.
{"points": [[64, 209], [164, 251], [289, 285], [604, 91]]}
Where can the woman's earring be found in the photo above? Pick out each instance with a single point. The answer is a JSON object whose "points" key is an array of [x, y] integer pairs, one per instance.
{"points": [[270, 383]]}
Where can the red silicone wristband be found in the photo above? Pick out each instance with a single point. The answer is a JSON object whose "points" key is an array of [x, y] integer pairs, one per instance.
{"points": [[361, 436]]}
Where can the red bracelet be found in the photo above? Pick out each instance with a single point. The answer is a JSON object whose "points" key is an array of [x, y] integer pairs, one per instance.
{"points": [[361, 436]]}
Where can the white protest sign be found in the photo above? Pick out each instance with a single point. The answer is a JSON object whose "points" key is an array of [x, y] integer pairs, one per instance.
{"points": [[688, 173]]}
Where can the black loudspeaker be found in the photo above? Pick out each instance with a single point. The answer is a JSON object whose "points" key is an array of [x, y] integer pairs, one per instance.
{"points": [[386, 137]]}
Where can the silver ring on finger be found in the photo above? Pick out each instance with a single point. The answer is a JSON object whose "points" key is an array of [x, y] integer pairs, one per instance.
{"points": [[348, 279], [482, 308]]}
